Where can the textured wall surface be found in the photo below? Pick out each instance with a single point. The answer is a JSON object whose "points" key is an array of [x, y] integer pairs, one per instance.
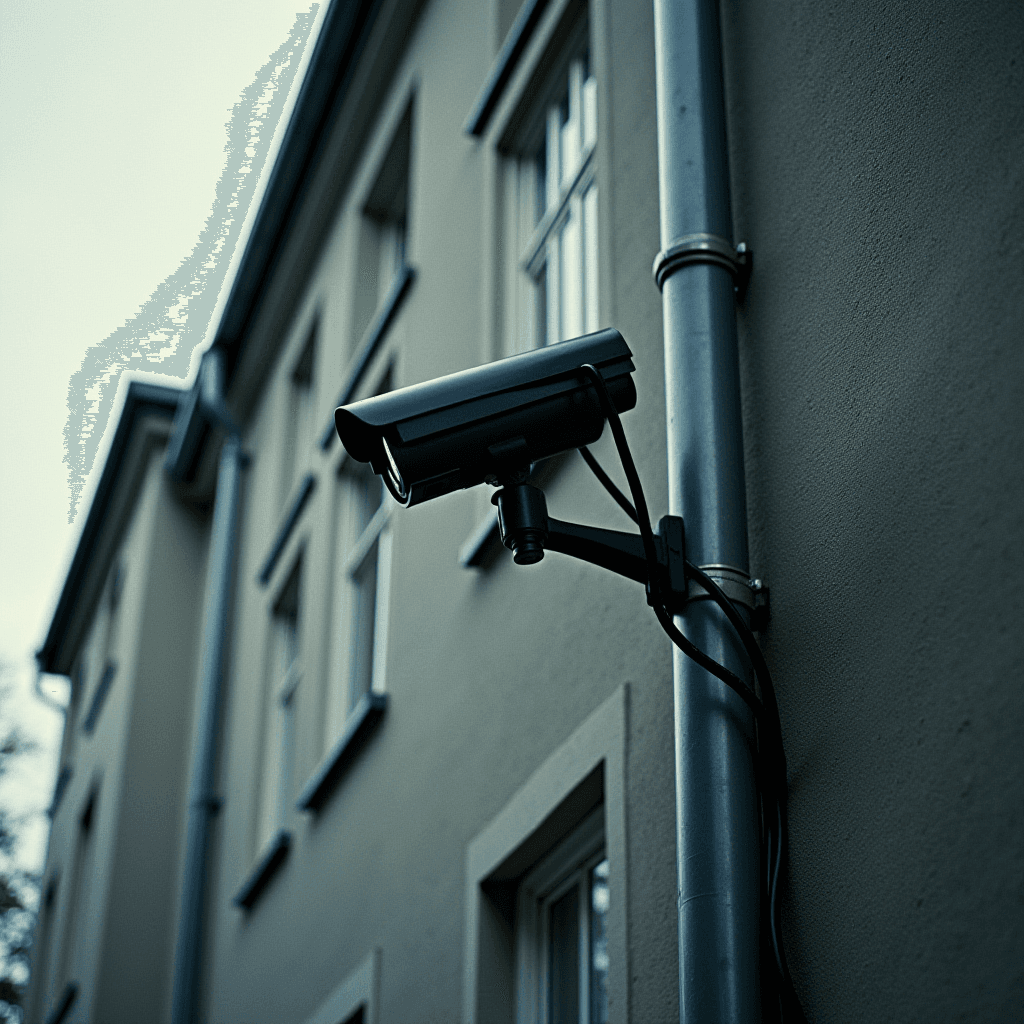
{"points": [[877, 173]]}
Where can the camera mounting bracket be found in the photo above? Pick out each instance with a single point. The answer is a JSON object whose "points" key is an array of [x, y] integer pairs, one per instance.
{"points": [[527, 531]]}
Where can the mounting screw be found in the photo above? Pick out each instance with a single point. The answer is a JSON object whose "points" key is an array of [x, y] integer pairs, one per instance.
{"points": [[762, 606]]}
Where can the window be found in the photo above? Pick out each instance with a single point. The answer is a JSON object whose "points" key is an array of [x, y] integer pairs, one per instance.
{"points": [[562, 933], [284, 674], [383, 230], [299, 427], [76, 921], [551, 289], [40, 976], [545, 879], [363, 557]]}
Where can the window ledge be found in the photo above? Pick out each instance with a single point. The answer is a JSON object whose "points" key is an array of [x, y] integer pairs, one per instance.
{"points": [[306, 488], [519, 36], [63, 778], [369, 344], [361, 722], [63, 1005], [266, 867], [99, 697]]}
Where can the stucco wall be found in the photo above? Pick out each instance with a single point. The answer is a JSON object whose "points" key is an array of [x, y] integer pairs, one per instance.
{"points": [[877, 174]]}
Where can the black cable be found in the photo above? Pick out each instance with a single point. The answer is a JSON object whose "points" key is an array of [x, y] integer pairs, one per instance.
{"points": [[642, 518], [777, 756], [607, 482], [768, 732]]}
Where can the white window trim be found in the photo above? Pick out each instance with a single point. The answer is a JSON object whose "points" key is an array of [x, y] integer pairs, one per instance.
{"points": [[376, 536]]}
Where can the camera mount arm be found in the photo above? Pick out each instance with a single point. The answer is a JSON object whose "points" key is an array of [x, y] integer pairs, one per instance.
{"points": [[527, 531]]}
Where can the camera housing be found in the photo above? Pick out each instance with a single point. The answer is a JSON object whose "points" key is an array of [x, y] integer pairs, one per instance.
{"points": [[488, 423]]}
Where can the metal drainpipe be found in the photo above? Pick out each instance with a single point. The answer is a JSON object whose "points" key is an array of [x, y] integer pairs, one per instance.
{"points": [[202, 800], [717, 852]]}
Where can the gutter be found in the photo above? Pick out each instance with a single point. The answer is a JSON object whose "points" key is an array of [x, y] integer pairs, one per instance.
{"points": [[203, 411], [717, 840], [207, 401]]}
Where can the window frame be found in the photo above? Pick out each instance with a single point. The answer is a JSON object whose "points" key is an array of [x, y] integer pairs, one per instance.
{"points": [[587, 770], [536, 211], [374, 540], [299, 428], [510, 118], [280, 711], [568, 865]]}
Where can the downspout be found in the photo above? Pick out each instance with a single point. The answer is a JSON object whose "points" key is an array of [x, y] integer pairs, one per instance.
{"points": [[202, 798], [717, 850]]}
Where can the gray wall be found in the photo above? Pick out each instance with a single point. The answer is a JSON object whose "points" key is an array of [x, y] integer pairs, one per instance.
{"points": [[134, 977], [877, 175]]}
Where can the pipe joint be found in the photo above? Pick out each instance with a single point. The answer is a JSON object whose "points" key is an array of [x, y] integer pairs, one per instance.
{"points": [[704, 248]]}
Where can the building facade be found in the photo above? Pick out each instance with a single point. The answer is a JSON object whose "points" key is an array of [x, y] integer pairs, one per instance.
{"points": [[330, 760]]}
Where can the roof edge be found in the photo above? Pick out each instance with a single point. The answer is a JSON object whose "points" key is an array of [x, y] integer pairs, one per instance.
{"points": [[142, 399]]}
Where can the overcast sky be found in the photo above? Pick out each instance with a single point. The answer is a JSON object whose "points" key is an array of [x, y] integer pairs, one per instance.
{"points": [[113, 118]]}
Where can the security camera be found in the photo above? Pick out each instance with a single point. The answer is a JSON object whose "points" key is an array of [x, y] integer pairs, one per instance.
{"points": [[489, 423]]}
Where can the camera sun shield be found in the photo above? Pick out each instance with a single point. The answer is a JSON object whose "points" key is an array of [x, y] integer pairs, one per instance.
{"points": [[489, 422]]}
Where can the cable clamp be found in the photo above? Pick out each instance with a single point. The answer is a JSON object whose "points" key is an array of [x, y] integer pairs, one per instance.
{"points": [[704, 248], [739, 588]]}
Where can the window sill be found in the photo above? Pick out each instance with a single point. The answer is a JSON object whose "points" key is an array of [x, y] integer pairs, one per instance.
{"points": [[505, 64], [63, 779], [361, 722], [369, 344], [265, 869], [63, 1005], [99, 698], [306, 489]]}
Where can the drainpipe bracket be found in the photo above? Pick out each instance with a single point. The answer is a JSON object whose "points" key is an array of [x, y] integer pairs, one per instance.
{"points": [[752, 594], [704, 248]]}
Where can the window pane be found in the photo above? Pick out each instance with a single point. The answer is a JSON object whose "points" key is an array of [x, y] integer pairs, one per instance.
{"points": [[552, 273], [270, 788], [286, 639], [570, 151], [552, 155], [564, 960], [590, 258], [590, 112], [599, 944], [536, 190], [572, 276], [391, 257], [365, 597]]}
